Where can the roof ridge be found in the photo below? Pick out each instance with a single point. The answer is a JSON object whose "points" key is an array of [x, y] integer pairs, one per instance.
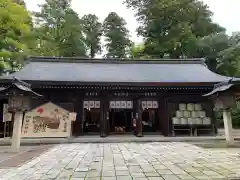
{"points": [[116, 60]]}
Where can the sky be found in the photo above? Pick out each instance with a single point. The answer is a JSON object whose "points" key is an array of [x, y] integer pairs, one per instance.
{"points": [[226, 12]]}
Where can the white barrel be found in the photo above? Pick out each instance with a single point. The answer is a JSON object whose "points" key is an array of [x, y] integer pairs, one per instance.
{"points": [[182, 107], [176, 120], [206, 121], [199, 121], [190, 120], [179, 114], [184, 121], [195, 114], [197, 107], [186, 114], [202, 114], [190, 107]]}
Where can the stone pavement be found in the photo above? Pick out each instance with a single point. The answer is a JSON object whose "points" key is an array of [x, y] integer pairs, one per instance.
{"points": [[123, 161]]}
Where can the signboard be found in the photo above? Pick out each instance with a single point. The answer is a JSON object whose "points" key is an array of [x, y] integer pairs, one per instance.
{"points": [[18, 103], [48, 120], [6, 115]]}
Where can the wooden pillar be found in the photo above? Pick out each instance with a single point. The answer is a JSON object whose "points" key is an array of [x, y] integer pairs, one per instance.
{"points": [[17, 128], [164, 117], [77, 128], [139, 118], [104, 117]]}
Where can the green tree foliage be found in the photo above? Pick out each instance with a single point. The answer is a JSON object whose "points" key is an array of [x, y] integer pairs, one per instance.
{"points": [[92, 29], [58, 30], [172, 26], [222, 53], [137, 51], [210, 46], [229, 59], [116, 36], [15, 26], [20, 2]]}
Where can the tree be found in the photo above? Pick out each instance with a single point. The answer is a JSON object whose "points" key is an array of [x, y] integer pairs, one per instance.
{"points": [[137, 52], [15, 26], [210, 46], [172, 26], [116, 36], [20, 2], [59, 30], [92, 29]]}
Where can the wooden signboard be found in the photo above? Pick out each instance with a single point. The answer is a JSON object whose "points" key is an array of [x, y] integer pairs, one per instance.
{"points": [[48, 120], [6, 115]]}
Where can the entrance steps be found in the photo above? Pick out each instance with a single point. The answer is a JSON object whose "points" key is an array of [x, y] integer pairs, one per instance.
{"points": [[113, 139]]}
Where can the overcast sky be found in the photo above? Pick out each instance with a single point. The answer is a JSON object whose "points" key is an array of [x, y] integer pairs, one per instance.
{"points": [[226, 12]]}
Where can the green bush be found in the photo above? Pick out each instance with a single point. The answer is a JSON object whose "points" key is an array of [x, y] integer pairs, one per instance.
{"points": [[235, 118]]}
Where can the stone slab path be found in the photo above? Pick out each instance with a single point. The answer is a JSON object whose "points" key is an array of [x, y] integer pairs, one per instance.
{"points": [[123, 161]]}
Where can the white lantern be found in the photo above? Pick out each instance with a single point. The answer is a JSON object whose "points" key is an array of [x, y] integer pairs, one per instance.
{"points": [[144, 104], [91, 104], [97, 104], [155, 104], [85, 104], [112, 104], [149, 104], [118, 104], [123, 104], [129, 104]]}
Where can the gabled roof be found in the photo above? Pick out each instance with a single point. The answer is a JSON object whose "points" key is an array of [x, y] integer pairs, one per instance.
{"points": [[56, 69]]}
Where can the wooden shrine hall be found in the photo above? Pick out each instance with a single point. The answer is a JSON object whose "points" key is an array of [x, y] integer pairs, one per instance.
{"points": [[120, 96]]}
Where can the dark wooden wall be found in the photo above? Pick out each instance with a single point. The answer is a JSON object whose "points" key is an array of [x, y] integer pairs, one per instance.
{"points": [[72, 99]]}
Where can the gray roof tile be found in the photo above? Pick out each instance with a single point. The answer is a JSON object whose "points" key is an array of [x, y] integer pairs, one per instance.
{"points": [[119, 71]]}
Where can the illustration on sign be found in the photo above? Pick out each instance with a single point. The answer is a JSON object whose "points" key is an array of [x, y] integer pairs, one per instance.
{"points": [[48, 120]]}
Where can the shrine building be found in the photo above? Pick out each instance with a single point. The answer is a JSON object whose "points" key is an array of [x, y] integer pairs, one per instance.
{"points": [[164, 95]]}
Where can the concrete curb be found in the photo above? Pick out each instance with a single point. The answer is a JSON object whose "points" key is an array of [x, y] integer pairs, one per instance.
{"points": [[118, 139]]}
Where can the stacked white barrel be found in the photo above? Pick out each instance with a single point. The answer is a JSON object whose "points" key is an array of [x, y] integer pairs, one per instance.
{"points": [[191, 114]]}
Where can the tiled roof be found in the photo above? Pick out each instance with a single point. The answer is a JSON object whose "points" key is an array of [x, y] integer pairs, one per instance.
{"points": [[55, 69]]}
